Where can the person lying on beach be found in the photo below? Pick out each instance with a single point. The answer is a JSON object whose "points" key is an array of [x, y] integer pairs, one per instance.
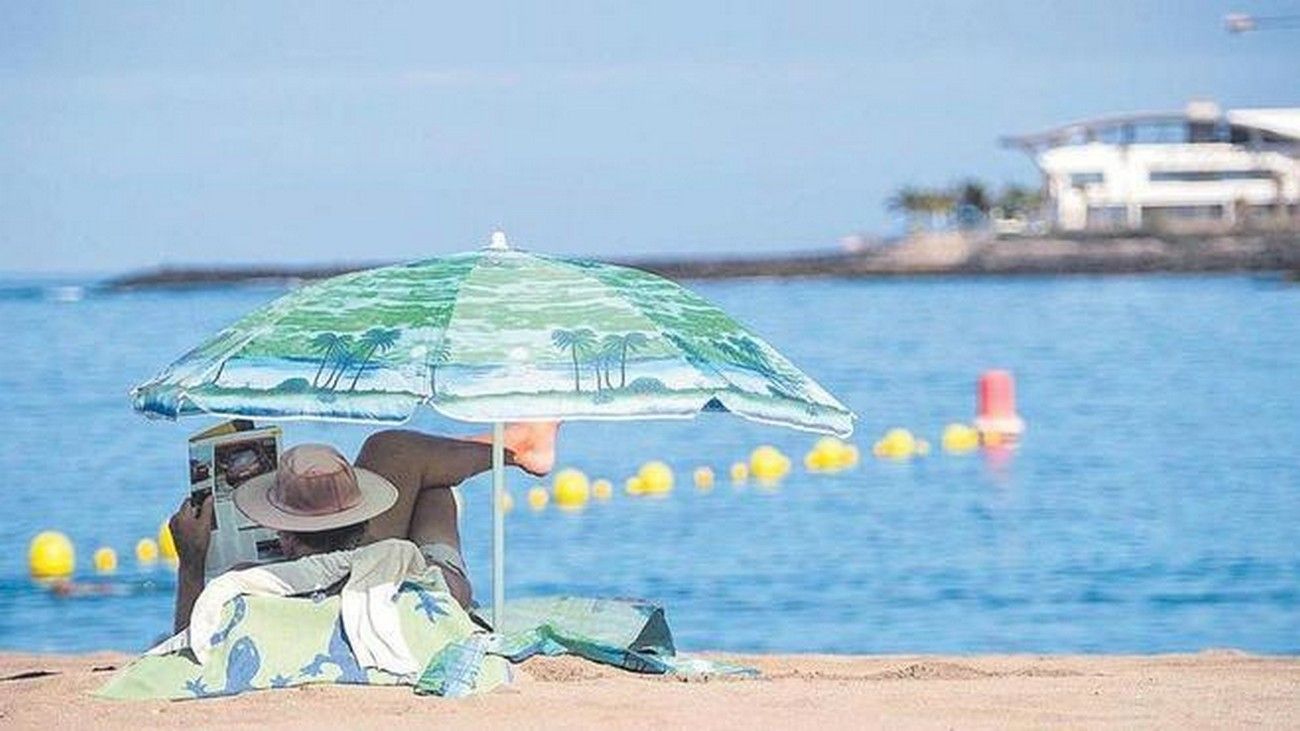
{"points": [[399, 487]]}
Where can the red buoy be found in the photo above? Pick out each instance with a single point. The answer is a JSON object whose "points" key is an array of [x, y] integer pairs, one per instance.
{"points": [[995, 416]]}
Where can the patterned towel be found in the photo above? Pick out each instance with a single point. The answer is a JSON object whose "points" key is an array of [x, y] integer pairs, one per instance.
{"points": [[276, 642]]}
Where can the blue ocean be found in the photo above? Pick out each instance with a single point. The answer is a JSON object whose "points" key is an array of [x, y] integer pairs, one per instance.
{"points": [[1152, 506]]}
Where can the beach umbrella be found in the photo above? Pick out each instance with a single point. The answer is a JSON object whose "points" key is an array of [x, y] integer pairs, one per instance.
{"points": [[491, 336]]}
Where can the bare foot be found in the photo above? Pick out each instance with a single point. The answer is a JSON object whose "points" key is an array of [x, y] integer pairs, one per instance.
{"points": [[530, 445]]}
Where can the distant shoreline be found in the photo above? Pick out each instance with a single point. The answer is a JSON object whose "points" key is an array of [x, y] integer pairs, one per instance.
{"points": [[929, 255]]}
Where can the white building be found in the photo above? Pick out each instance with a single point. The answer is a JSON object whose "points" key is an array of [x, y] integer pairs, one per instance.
{"points": [[1195, 170]]}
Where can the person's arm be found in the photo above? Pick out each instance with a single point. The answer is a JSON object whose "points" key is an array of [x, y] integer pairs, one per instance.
{"points": [[191, 529]]}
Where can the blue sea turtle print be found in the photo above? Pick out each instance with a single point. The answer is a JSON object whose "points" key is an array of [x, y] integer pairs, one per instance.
{"points": [[340, 655], [429, 603], [237, 616], [242, 664]]}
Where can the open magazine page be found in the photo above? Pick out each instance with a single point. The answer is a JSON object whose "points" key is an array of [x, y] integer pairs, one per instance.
{"points": [[221, 459]]}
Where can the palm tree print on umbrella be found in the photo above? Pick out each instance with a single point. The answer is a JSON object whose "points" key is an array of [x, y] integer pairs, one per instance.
{"points": [[609, 348], [376, 339], [327, 344], [439, 354], [575, 341], [628, 343], [343, 360]]}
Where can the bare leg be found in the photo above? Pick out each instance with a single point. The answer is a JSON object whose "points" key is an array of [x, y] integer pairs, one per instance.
{"points": [[529, 445], [423, 467], [435, 521], [416, 463]]}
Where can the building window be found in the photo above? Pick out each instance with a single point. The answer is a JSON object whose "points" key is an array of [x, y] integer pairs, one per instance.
{"points": [[1079, 180], [1202, 176], [1106, 218], [1156, 214], [1159, 133]]}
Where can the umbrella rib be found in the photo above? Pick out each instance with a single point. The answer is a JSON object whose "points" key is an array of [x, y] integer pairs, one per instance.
{"points": [[432, 398]]}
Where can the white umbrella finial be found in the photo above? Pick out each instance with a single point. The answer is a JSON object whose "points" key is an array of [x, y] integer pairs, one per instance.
{"points": [[498, 241]]}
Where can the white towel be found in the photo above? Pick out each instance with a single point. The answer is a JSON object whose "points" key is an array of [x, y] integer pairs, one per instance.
{"points": [[367, 603]]}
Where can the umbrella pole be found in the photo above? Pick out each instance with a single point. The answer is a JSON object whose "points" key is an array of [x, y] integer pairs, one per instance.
{"points": [[498, 525]]}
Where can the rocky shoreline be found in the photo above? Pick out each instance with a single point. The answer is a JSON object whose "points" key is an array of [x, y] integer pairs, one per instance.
{"points": [[930, 255]]}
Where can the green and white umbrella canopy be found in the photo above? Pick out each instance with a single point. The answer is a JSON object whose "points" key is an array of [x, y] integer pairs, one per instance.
{"points": [[493, 335]]}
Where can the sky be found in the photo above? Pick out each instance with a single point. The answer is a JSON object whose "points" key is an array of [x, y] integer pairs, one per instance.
{"points": [[134, 135]]}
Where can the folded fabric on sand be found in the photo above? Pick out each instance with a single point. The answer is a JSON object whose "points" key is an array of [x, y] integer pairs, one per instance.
{"points": [[265, 641], [628, 634]]}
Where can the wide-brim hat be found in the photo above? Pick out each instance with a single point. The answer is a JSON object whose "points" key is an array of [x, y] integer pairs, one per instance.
{"points": [[314, 489]]}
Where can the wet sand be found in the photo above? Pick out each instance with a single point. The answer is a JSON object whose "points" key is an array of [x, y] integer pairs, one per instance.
{"points": [[1208, 689]]}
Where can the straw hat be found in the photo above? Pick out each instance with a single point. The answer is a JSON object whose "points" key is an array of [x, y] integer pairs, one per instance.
{"points": [[314, 489]]}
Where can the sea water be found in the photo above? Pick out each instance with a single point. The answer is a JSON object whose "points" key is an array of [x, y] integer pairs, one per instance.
{"points": [[1153, 506]]}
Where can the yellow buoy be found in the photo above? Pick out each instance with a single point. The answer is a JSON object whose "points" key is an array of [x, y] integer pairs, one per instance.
{"points": [[633, 486], [831, 455], [146, 551], [166, 544], [767, 463], [51, 555], [960, 439], [703, 477], [105, 560], [831, 447], [507, 502], [739, 472], [538, 497], [896, 444], [602, 489], [656, 477], [571, 489]]}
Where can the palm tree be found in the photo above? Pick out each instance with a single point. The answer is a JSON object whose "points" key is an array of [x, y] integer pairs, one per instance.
{"points": [[936, 204], [610, 345], [324, 343], [575, 341], [438, 355], [972, 203], [975, 194], [631, 342], [597, 362], [375, 339], [1019, 201], [939, 205], [343, 361], [907, 200]]}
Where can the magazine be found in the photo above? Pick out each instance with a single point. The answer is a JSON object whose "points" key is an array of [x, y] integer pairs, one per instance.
{"points": [[222, 458]]}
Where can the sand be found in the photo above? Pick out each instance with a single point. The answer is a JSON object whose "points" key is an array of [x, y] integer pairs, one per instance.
{"points": [[1208, 689]]}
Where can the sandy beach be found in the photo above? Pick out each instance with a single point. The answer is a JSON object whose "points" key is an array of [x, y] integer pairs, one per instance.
{"points": [[1208, 689]]}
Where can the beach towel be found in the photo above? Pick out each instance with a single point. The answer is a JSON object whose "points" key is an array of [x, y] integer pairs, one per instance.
{"points": [[369, 617], [625, 633], [276, 642]]}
